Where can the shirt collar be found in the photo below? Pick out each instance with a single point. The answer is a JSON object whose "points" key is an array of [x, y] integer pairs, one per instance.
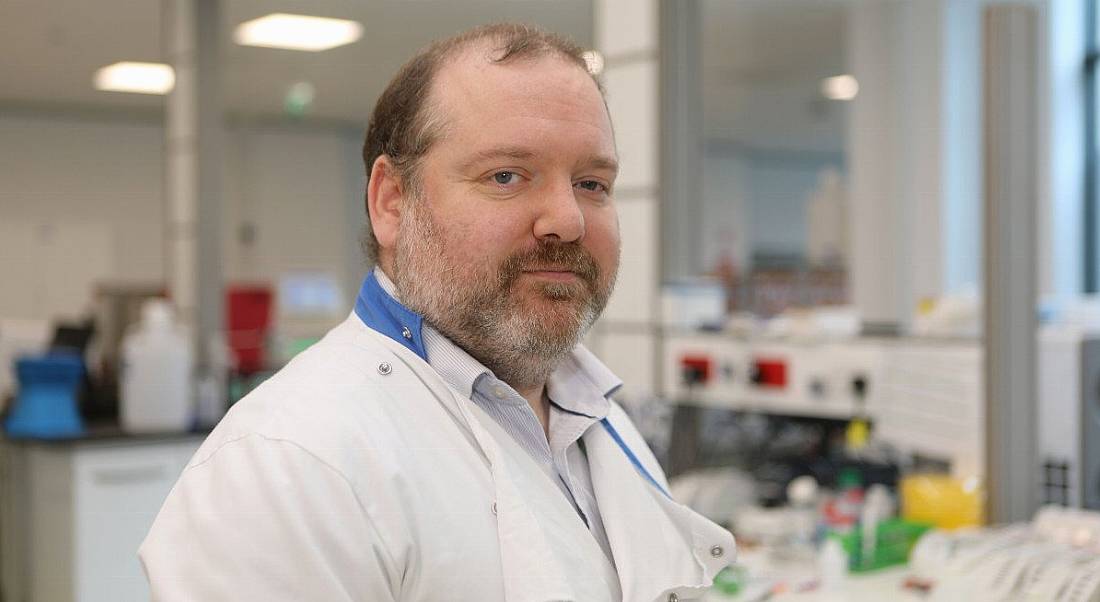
{"points": [[582, 384]]}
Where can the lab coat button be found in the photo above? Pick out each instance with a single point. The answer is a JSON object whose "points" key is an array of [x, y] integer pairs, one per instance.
{"points": [[385, 368], [405, 332], [717, 551], [494, 508], [673, 598]]}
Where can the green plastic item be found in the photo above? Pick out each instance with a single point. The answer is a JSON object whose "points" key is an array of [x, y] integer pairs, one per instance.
{"points": [[730, 580], [894, 537]]}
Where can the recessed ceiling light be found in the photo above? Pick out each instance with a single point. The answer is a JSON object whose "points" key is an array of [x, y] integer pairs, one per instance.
{"points": [[142, 78], [840, 87], [297, 32]]}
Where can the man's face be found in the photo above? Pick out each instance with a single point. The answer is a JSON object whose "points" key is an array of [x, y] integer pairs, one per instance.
{"points": [[513, 247]]}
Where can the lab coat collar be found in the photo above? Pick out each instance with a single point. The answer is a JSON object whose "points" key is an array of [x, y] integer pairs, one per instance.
{"points": [[381, 312], [660, 546]]}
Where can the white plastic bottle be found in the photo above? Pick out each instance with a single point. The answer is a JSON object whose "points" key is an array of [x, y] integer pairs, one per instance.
{"points": [[156, 390]]}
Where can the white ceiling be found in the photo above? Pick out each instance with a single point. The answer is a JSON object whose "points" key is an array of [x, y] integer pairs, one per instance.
{"points": [[761, 59], [762, 63], [50, 49]]}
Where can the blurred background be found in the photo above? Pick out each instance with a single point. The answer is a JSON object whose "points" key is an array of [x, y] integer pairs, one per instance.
{"points": [[857, 296]]}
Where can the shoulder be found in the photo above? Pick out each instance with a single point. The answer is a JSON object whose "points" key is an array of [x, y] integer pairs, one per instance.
{"points": [[350, 392]]}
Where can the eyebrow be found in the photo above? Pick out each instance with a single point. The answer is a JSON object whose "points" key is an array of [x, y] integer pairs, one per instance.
{"points": [[504, 152], [520, 153], [602, 162]]}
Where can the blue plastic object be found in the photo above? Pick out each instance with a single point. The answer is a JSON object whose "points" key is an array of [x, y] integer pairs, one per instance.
{"points": [[46, 405]]}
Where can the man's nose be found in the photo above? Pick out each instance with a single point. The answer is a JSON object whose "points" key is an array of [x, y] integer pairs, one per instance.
{"points": [[560, 215]]}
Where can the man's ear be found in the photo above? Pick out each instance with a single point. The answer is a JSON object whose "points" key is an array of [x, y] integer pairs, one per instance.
{"points": [[385, 197]]}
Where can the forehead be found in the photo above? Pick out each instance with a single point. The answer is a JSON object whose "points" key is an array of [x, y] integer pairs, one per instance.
{"points": [[536, 101]]}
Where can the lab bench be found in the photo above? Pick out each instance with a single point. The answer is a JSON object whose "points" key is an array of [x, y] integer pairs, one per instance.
{"points": [[886, 584], [73, 512]]}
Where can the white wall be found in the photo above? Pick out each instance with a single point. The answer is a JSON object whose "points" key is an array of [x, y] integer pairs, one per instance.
{"points": [[81, 200]]}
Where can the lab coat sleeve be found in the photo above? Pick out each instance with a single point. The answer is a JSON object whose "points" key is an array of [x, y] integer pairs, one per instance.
{"points": [[265, 519]]}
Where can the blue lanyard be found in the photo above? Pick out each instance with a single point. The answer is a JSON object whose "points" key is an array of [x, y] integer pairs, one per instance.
{"points": [[630, 454]]}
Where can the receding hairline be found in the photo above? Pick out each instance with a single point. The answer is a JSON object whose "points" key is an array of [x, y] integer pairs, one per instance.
{"points": [[488, 49]]}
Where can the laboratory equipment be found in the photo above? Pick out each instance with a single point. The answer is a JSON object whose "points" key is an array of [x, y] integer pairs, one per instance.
{"points": [[19, 338], [942, 500], [248, 318], [46, 406], [822, 378], [1054, 557], [1069, 420], [158, 365], [925, 397], [117, 309]]}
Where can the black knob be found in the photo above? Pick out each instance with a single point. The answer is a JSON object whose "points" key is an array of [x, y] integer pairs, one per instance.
{"points": [[817, 387], [859, 386]]}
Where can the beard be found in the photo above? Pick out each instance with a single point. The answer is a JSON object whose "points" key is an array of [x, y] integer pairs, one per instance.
{"points": [[520, 333]]}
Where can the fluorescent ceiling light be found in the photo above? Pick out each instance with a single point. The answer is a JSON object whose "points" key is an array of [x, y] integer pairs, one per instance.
{"points": [[840, 87], [297, 32], [142, 78]]}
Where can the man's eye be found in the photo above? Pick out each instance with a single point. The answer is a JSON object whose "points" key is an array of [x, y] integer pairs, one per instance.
{"points": [[504, 178], [592, 186]]}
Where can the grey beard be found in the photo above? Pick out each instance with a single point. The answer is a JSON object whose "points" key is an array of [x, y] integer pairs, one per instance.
{"points": [[484, 317]]}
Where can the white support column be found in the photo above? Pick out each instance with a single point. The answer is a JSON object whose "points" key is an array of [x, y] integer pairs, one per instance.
{"points": [[193, 169], [914, 154], [626, 337]]}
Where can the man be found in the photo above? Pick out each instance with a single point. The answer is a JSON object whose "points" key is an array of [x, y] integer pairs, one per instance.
{"points": [[451, 440]]}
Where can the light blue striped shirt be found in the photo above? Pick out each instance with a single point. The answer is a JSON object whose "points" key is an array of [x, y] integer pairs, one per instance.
{"points": [[579, 390]]}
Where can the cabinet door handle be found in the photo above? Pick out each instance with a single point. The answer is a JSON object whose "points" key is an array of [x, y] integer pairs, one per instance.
{"points": [[126, 476]]}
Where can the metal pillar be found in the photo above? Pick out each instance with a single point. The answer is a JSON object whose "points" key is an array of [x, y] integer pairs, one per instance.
{"points": [[1011, 195], [193, 169], [682, 138]]}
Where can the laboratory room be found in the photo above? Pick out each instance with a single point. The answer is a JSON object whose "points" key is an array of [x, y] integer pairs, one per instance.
{"points": [[587, 300]]}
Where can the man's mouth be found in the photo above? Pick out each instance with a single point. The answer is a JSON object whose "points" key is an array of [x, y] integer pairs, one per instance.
{"points": [[551, 273]]}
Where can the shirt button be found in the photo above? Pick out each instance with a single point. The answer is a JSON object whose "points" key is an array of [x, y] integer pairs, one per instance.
{"points": [[498, 391], [717, 551]]}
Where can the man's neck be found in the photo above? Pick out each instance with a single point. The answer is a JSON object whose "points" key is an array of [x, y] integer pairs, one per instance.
{"points": [[540, 403]]}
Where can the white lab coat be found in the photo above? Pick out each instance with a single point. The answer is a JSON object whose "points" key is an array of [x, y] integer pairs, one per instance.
{"points": [[357, 473]]}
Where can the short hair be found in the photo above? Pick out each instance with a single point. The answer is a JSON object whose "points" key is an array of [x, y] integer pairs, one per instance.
{"points": [[403, 127]]}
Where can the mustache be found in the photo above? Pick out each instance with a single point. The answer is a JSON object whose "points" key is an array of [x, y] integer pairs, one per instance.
{"points": [[557, 255]]}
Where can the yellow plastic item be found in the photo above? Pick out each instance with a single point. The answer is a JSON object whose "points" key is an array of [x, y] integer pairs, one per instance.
{"points": [[857, 434], [943, 501]]}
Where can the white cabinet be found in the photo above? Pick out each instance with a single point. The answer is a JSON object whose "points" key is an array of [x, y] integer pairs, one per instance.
{"points": [[75, 513]]}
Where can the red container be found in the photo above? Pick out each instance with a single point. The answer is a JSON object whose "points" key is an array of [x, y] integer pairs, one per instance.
{"points": [[247, 322]]}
